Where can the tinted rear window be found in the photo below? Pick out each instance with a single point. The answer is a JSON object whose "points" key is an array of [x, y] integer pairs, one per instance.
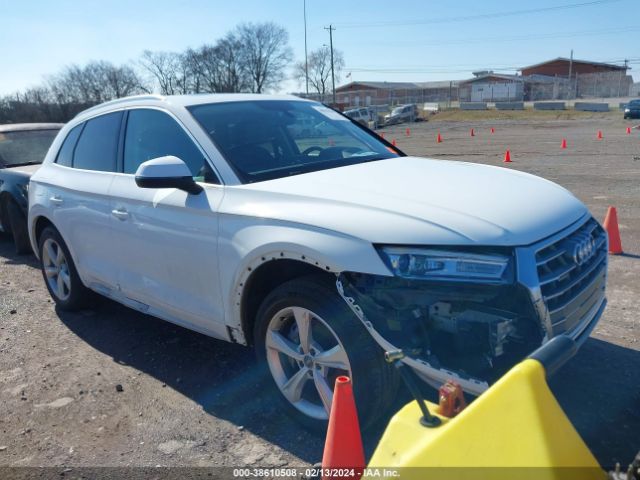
{"points": [[25, 147], [65, 155], [97, 148]]}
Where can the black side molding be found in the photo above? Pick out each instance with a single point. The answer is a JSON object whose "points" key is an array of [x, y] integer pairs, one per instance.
{"points": [[555, 353]]}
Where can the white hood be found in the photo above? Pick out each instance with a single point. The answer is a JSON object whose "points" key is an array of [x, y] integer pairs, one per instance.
{"points": [[415, 201]]}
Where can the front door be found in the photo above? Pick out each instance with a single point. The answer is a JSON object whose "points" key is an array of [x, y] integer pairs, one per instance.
{"points": [[167, 238]]}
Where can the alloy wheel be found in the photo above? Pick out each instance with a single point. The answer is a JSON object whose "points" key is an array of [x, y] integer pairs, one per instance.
{"points": [[56, 269], [305, 357]]}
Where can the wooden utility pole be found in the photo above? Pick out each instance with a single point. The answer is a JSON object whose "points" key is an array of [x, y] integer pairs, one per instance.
{"points": [[333, 76]]}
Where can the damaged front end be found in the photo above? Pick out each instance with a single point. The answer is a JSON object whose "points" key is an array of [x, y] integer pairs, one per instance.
{"points": [[455, 314]]}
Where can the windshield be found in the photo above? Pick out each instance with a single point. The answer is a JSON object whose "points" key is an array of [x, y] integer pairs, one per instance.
{"points": [[25, 147], [397, 111], [268, 139]]}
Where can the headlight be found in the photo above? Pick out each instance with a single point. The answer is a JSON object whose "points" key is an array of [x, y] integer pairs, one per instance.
{"points": [[627, 110], [428, 264]]}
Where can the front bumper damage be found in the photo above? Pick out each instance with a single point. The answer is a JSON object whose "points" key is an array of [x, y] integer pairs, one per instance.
{"points": [[446, 333], [474, 333]]}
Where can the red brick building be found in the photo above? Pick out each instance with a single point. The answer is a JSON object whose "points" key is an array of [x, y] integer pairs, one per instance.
{"points": [[560, 67]]}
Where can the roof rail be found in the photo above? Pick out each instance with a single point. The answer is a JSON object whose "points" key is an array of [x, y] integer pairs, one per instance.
{"points": [[123, 100]]}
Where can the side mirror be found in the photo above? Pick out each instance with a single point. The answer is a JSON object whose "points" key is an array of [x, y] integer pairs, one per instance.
{"points": [[166, 172]]}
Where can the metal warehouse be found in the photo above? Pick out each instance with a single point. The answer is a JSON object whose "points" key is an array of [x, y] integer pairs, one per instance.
{"points": [[491, 87]]}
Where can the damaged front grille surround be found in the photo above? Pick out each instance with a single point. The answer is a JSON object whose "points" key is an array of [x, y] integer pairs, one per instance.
{"points": [[567, 288]]}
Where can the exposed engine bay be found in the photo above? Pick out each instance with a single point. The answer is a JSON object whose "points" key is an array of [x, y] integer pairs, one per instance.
{"points": [[476, 331]]}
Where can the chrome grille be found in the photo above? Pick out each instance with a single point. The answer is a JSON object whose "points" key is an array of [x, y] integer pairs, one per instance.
{"points": [[571, 284]]}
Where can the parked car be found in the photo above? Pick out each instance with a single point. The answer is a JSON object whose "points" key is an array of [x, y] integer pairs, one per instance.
{"points": [[401, 114], [23, 146], [206, 211], [361, 115], [632, 109]]}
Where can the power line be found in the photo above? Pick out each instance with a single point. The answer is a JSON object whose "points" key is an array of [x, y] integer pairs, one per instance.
{"points": [[465, 18], [460, 68], [538, 36], [500, 66]]}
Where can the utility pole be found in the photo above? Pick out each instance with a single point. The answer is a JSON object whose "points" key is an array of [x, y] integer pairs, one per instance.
{"points": [[622, 72], [333, 76], [570, 69], [306, 61]]}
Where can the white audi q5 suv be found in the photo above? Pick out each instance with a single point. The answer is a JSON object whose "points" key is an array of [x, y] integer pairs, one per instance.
{"points": [[278, 222]]}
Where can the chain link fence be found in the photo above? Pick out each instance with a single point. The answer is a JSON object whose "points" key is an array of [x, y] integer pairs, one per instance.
{"points": [[586, 85], [448, 94], [387, 98]]}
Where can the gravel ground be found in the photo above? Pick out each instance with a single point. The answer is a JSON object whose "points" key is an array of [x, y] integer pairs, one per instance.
{"points": [[111, 387]]}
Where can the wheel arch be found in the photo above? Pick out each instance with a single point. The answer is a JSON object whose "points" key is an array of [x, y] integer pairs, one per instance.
{"points": [[36, 227], [246, 247], [263, 279]]}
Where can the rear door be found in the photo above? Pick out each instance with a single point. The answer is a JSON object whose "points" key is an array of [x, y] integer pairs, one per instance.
{"points": [[86, 165], [167, 238]]}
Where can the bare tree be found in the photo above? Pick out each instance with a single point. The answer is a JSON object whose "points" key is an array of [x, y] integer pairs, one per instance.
{"points": [[252, 58], [265, 54], [94, 83], [169, 70], [319, 67], [218, 68]]}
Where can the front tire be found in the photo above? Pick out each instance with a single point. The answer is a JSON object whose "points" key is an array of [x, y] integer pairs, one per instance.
{"points": [[60, 274], [306, 336]]}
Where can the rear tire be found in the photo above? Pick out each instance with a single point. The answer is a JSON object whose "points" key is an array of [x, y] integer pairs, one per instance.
{"points": [[60, 274], [18, 224], [333, 328]]}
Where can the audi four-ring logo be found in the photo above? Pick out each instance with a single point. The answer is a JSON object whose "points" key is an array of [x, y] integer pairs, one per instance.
{"points": [[583, 250]]}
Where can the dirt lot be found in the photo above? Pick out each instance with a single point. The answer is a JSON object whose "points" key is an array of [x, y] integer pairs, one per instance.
{"points": [[187, 400]]}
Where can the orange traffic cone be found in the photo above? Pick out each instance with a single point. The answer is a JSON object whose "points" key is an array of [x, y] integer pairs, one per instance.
{"points": [[473, 133], [599, 134], [628, 130], [407, 132], [493, 130], [343, 446], [564, 143], [507, 157], [393, 142], [439, 138], [611, 226]]}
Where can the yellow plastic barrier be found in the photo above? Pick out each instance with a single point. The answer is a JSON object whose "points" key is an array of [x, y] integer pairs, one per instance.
{"points": [[514, 430]]}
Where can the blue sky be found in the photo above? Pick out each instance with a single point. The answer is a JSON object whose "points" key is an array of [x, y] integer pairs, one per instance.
{"points": [[394, 40]]}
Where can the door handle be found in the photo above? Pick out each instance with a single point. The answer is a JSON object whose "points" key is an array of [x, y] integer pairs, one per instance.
{"points": [[120, 214], [56, 200]]}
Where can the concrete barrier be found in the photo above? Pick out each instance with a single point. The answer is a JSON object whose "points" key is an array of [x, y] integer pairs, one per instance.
{"points": [[473, 106], [591, 107], [509, 105], [622, 105], [549, 106]]}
